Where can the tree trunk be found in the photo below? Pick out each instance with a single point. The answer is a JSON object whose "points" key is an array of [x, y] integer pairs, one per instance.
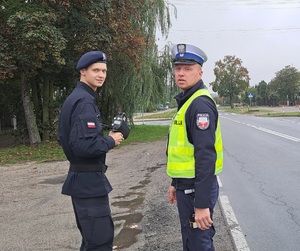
{"points": [[35, 99], [231, 100], [46, 99], [33, 132]]}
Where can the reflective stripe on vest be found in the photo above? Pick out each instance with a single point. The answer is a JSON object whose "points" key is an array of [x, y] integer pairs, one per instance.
{"points": [[180, 159]]}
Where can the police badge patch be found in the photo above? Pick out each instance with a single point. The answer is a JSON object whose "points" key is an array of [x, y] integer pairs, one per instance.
{"points": [[202, 121]]}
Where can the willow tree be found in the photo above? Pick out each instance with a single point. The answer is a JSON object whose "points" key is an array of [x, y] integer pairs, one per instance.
{"points": [[126, 31], [232, 79], [137, 75], [43, 40]]}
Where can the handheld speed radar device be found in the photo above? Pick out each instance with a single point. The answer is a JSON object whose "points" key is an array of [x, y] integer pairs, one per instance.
{"points": [[120, 124]]}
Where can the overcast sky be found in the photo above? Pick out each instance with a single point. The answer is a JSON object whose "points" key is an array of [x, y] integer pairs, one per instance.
{"points": [[265, 35]]}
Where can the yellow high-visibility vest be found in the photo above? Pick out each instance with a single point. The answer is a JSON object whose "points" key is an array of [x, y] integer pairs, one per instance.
{"points": [[180, 159]]}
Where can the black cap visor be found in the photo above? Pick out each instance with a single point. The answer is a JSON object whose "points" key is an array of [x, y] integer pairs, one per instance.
{"points": [[186, 61]]}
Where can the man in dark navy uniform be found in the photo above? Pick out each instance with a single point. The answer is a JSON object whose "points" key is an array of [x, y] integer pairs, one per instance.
{"points": [[194, 151], [81, 137]]}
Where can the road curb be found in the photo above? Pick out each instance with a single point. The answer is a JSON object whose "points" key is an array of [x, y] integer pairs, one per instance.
{"points": [[238, 238]]}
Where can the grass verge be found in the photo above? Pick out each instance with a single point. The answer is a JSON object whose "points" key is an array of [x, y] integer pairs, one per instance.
{"points": [[169, 114], [51, 151]]}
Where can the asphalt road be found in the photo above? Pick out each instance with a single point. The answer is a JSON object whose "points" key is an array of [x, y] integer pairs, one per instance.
{"points": [[261, 179]]}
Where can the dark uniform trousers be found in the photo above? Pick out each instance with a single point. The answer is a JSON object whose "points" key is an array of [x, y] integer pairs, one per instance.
{"points": [[94, 221], [195, 239]]}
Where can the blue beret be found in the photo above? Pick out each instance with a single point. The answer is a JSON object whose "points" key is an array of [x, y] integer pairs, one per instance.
{"points": [[188, 54], [90, 58]]}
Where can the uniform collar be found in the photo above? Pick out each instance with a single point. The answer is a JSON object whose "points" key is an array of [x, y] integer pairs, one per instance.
{"points": [[86, 87]]}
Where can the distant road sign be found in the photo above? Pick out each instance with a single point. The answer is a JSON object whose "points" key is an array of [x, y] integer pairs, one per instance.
{"points": [[250, 95]]}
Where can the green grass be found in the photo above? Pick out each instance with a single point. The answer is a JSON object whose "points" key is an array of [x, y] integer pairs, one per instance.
{"points": [[51, 151], [146, 133], [241, 110], [238, 110], [163, 115], [48, 151]]}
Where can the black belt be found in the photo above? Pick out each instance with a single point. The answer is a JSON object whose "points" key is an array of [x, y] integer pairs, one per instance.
{"points": [[88, 168]]}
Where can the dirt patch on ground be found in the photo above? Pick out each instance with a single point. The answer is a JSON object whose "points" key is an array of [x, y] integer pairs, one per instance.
{"points": [[35, 216]]}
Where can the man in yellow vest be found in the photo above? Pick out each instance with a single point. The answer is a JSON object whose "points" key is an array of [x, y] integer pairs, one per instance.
{"points": [[194, 151]]}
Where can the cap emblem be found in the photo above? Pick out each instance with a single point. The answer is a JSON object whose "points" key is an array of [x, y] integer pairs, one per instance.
{"points": [[181, 49]]}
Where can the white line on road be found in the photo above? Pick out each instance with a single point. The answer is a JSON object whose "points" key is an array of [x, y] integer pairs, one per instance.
{"points": [[219, 182], [277, 134], [267, 130], [235, 230]]}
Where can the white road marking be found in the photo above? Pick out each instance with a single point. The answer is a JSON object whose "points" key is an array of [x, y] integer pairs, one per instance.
{"points": [[267, 130], [219, 182], [235, 230]]}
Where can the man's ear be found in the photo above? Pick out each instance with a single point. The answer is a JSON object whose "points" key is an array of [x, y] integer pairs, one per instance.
{"points": [[82, 71], [200, 72]]}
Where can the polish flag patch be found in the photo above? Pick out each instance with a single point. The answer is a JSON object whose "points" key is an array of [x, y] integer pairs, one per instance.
{"points": [[202, 121], [91, 125]]}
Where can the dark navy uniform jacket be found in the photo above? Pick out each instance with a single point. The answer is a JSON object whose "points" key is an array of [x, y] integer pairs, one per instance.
{"points": [[203, 142], [81, 137]]}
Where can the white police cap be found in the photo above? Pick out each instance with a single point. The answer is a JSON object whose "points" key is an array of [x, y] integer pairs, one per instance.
{"points": [[91, 57], [188, 54]]}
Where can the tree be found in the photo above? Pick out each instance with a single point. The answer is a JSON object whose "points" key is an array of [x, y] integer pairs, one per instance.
{"points": [[41, 41], [286, 83], [262, 93], [273, 98], [34, 43], [137, 73], [232, 78]]}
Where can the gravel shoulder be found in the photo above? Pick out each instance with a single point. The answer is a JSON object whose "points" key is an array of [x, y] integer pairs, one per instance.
{"points": [[35, 216]]}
